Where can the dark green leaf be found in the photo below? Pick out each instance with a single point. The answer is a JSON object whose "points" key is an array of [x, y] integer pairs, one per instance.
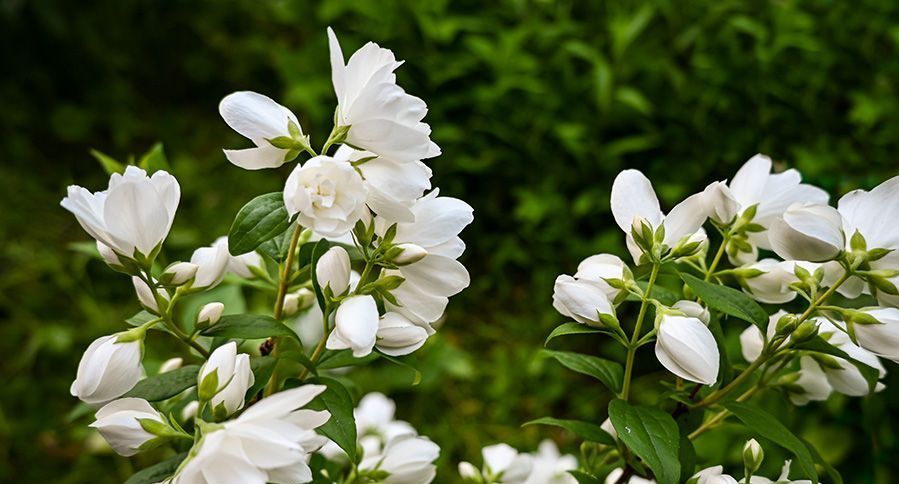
{"points": [[762, 423], [570, 328], [165, 385], [728, 301], [249, 326], [157, 472], [686, 454], [263, 367], [584, 430], [344, 358], [818, 345], [261, 219], [403, 362], [276, 247], [140, 318], [584, 478], [341, 428], [652, 435], [611, 374]]}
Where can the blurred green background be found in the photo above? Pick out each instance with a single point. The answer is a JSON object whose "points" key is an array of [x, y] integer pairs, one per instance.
{"points": [[536, 104]]}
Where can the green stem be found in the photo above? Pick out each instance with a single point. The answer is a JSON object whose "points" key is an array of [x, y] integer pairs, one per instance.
{"points": [[632, 347], [168, 318], [278, 311], [717, 259]]}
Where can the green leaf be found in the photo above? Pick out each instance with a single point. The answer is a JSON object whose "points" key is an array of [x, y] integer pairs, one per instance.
{"points": [[762, 423], [262, 367], [261, 219], [141, 318], [686, 455], [249, 326], [344, 358], [570, 328], [154, 159], [818, 345], [829, 469], [584, 430], [277, 246], [652, 435], [584, 478], [341, 428], [165, 385], [109, 164], [157, 472], [728, 301], [611, 374], [416, 373]]}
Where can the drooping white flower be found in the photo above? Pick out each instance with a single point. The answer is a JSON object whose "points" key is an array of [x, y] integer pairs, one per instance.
{"points": [[298, 300], [408, 459], [582, 300], [108, 369], [327, 195], [812, 384], [269, 442], [848, 380], [721, 205], [260, 119], [355, 326], [712, 475], [212, 263], [505, 464], [381, 117], [119, 423], [333, 270], [241, 265], [808, 232], [398, 336], [133, 216], [752, 341], [550, 466], [634, 200], [773, 285], [597, 268], [686, 347], [225, 378], [881, 339]]}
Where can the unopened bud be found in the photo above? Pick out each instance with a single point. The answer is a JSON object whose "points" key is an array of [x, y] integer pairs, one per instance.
{"points": [[806, 331], [210, 314], [297, 301], [753, 455], [469, 472], [171, 364], [178, 273], [410, 254], [786, 324]]}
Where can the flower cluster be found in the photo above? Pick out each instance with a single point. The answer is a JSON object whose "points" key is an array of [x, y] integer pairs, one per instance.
{"points": [[363, 202], [504, 464]]}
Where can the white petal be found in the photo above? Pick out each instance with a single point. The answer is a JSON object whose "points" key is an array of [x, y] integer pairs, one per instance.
{"points": [[256, 116], [633, 196], [259, 158]]}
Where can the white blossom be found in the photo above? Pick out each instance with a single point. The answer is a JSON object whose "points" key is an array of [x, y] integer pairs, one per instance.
{"points": [[225, 378], [260, 119], [333, 270], [809, 232], [408, 459], [398, 336], [108, 369], [881, 339], [355, 326], [327, 195], [582, 300], [550, 466], [119, 423], [686, 347]]}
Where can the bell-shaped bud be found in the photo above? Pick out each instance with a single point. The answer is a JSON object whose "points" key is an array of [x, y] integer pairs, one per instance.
{"points": [[686, 347], [694, 310], [146, 297], [602, 268], [297, 301], [178, 273], [210, 314], [224, 380], [130, 425], [720, 203], [882, 339], [110, 367], [355, 326], [398, 336], [752, 342], [212, 265], [753, 455], [170, 365], [409, 254], [333, 270], [584, 301], [808, 232]]}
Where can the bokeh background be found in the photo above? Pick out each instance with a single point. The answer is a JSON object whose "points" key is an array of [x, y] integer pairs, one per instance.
{"points": [[536, 104]]}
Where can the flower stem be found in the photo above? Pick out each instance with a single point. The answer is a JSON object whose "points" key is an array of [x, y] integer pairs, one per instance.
{"points": [[168, 318], [717, 259], [278, 310], [632, 347]]}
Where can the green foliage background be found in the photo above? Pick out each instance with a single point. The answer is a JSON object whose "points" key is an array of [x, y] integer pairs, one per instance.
{"points": [[536, 104]]}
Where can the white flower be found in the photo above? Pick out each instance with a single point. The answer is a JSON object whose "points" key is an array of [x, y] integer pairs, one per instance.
{"points": [[686, 347], [720, 203], [133, 216], [812, 384], [597, 268], [333, 270], [260, 119], [408, 459], [550, 467], [225, 378], [783, 479], [694, 310], [145, 294], [241, 265], [375, 426], [398, 336], [848, 380], [355, 326], [429, 283], [327, 194], [752, 341], [712, 475], [808, 232], [108, 369], [171, 364], [269, 442], [634, 200], [119, 423], [773, 286], [380, 116], [582, 300], [505, 463], [613, 477], [881, 339], [210, 313], [212, 262]]}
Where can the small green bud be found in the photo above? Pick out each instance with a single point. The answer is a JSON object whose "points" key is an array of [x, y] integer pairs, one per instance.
{"points": [[753, 455], [806, 331], [786, 324]]}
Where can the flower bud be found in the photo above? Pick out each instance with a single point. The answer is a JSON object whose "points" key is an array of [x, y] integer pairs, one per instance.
{"points": [[397, 336], [410, 254], [108, 369], [881, 339], [210, 314], [170, 364], [224, 380], [584, 301], [469, 472], [808, 232], [786, 324], [333, 270], [686, 347], [130, 424], [190, 411], [693, 310], [355, 326], [753, 455], [212, 263], [806, 331], [751, 343], [178, 273], [145, 295], [297, 301]]}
